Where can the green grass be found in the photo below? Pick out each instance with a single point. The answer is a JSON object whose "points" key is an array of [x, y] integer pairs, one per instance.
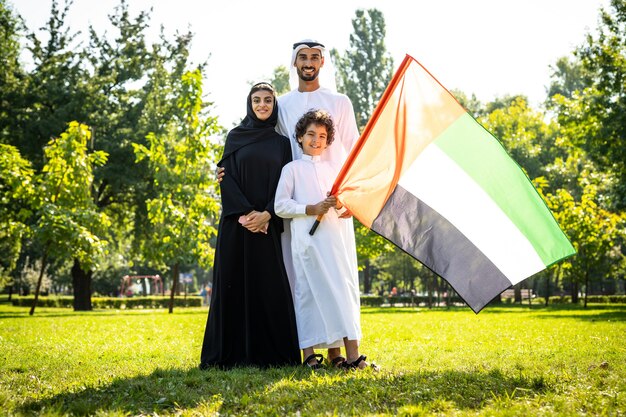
{"points": [[505, 361]]}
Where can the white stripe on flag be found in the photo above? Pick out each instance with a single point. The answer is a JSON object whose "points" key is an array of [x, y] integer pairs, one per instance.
{"points": [[439, 182]]}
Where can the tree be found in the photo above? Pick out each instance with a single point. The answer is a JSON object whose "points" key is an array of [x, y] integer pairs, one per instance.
{"points": [[53, 89], [567, 78], [595, 112], [184, 209], [408, 275], [120, 85], [11, 72], [280, 80], [132, 91], [69, 225], [16, 206], [370, 246], [366, 68], [594, 231], [589, 100], [53, 94], [523, 132], [472, 104]]}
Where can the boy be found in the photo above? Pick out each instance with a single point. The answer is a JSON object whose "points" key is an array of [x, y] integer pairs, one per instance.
{"points": [[326, 287]]}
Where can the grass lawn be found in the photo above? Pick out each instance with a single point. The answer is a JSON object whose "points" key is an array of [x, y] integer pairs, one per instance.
{"points": [[505, 361]]}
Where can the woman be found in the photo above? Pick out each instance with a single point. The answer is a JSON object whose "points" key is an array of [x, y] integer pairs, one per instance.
{"points": [[251, 318]]}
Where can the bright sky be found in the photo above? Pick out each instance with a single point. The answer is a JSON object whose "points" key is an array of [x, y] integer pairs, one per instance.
{"points": [[485, 47]]}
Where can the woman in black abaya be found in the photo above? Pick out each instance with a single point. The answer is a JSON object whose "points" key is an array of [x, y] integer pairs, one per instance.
{"points": [[251, 318]]}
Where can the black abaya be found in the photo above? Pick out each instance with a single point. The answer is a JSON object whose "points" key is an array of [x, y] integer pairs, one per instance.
{"points": [[251, 318]]}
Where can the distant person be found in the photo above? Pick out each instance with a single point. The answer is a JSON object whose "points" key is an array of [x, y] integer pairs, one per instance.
{"points": [[251, 317], [205, 293]]}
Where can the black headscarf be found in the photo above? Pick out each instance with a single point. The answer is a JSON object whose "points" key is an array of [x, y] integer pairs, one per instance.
{"points": [[251, 129]]}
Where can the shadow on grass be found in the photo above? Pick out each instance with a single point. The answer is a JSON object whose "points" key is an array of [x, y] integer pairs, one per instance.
{"points": [[412, 309], [22, 312], [282, 391], [594, 312], [617, 315]]}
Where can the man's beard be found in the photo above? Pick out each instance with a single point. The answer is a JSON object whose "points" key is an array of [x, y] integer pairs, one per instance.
{"points": [[307, 77]]}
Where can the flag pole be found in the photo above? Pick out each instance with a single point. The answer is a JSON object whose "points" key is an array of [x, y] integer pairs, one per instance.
{"points": [[317, 223]]}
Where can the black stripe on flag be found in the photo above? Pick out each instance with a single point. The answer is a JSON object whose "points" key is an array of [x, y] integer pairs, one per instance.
{"points": [[431, 239]]}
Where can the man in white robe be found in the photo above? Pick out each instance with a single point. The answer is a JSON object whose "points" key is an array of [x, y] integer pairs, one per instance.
{"points": [[307, 61]]}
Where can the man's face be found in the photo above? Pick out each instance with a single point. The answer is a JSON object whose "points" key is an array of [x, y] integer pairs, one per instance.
{"points": [[308, 63]]}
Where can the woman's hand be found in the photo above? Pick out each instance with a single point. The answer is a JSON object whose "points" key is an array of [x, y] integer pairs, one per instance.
{"points": [[220, 174], [257, 221]]}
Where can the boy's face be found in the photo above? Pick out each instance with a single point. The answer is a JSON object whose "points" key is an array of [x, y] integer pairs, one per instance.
{"points": [[314, 140]]}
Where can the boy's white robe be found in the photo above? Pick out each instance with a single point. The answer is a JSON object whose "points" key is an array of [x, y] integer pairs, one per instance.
{"points": [[326, 284], [291, 107]]}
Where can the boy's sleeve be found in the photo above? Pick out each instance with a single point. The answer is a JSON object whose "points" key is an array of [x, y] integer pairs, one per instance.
{"points": [[284, 204]]}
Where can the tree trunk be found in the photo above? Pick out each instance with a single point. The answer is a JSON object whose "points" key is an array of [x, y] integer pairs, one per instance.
{"points": [[367, 280], [548, 286], [81, 282], [517, 291], [44, 261], [438, 286], [430, 292], [574, 291], [174, 287], [586, 287]]}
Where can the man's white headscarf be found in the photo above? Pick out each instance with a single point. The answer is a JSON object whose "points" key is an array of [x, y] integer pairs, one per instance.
{"points": [[326, 73]]}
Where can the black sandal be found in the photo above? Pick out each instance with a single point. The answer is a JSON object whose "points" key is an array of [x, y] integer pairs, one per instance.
{"points": [[338, 362], [317, 356], [355, 364]]}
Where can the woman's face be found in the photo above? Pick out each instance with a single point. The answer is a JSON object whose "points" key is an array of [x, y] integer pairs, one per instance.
{"points": [[262, 104]]}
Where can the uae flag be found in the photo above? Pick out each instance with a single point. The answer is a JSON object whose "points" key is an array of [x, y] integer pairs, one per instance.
{"points": [[428, 177]]}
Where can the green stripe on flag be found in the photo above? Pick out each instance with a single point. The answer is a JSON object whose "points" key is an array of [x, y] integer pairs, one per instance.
{"points": [[486, 161]]}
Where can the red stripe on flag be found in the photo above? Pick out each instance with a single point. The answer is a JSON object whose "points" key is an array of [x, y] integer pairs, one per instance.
{"points": [[398, 76]]}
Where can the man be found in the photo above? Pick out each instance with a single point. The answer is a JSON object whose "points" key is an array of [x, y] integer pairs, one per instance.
{"points": [[307, 60]]}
